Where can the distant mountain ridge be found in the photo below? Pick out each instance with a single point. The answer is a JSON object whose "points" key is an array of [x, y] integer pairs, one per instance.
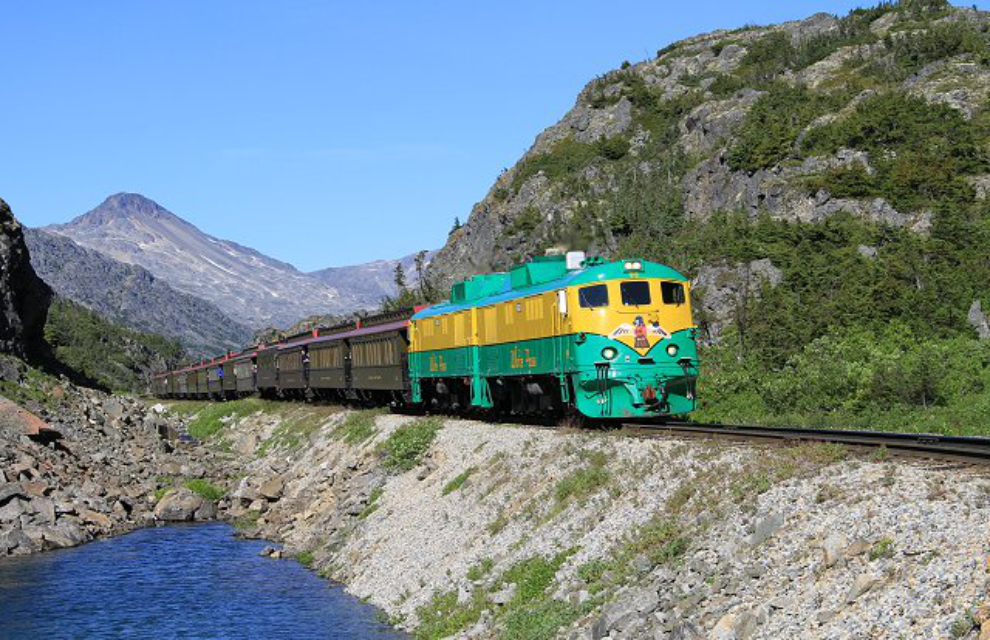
{"points": [[244, 283], [371, 282], [131, 295], [249, 287]]}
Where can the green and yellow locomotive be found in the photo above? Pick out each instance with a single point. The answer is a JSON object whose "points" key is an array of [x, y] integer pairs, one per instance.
{"points": [[557, 335], [604, 339]]}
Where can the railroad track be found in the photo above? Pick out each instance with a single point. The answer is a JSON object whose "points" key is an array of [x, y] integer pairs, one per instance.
{"points": [[969, 449]]}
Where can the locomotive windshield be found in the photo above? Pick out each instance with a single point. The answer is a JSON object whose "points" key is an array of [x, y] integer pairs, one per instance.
{"points": [[672, 292], [593, 296], [636, 293]]}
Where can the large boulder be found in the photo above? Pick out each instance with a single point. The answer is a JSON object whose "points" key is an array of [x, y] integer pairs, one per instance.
{"points": [[179, 505]]}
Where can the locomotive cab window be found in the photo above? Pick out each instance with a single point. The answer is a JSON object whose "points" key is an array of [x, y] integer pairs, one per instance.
{"points": [[594, 296], [672, 292], [636, 293]]}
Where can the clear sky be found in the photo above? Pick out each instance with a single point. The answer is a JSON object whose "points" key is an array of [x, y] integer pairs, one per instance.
{"points": [[321, 133]]}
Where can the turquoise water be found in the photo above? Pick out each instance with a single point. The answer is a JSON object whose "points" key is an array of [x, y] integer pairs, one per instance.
{"points": [[191, 581]]}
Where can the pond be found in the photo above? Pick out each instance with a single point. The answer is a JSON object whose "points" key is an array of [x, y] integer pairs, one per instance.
{"points": [[188, 581]]}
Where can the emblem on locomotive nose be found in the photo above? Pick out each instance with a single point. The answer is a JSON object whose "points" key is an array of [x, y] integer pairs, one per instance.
{"points": [[638, 334]]}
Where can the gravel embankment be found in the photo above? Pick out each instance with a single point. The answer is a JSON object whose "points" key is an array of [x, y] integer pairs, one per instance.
{"points": [[652, 538]]}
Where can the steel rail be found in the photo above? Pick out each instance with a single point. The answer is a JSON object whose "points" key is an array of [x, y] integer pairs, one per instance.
{"points": [[971, 449]]}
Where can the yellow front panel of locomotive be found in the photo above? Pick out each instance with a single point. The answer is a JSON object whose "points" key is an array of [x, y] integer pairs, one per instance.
{"points": [[639, 327]]}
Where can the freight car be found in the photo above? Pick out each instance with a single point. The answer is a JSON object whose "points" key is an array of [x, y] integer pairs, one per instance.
{"points": [[555, 335]]}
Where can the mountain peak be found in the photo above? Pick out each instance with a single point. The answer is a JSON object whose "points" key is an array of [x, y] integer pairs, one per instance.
{"points": [[122, 206]]}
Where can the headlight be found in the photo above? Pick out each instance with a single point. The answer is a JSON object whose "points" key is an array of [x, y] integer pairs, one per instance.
{"points": [[672, 350], [609, 353], [633, 265]]}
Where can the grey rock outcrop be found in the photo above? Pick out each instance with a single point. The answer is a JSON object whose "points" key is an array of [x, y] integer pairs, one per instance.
{"points": [[979, 320], [721, 291], [24, 297]]}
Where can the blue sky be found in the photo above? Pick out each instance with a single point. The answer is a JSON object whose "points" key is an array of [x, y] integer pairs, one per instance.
{"points": [[321, 133]]}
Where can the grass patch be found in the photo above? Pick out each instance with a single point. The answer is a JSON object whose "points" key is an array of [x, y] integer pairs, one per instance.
{"points": [[480, 570], [582, 483], [444, 616], [407, 444], [212, 417], [204, 489], [358, 427], [531, 614], [305, 558], [296, 428], [497, 525], [882, 548], [458, 481], [962, 625], [661, 540], [372, 505]]}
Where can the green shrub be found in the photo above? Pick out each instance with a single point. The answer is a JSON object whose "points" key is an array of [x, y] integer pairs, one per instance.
{"points": [[770, 129], [407, 444], [614, 148], [882, 548], [565, 158], [204, 489], [305, 558], [525, 223], [921, 151]]}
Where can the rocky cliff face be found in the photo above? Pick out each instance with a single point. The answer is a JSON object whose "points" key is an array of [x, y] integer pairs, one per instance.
{"points": [[695, 131], [131, 295], [24, 297]]}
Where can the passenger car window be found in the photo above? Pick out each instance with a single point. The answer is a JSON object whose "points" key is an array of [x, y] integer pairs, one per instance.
{"points": [[593, 296], [635, 294], [672, 292]]}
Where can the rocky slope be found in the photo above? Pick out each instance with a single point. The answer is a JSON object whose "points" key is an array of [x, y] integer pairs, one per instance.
{"points": [[245, 284], [131, 295], [697, 130], [510, 532], [24, 297], [77, 464]]}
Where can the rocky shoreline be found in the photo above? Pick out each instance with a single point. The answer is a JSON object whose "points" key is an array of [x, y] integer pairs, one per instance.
{"points": [[78, 464]]}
